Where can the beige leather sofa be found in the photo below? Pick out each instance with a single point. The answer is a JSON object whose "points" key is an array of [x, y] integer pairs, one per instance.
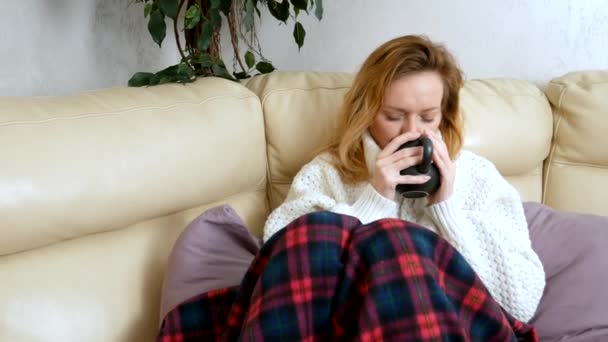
{"points": [[95, 188]]}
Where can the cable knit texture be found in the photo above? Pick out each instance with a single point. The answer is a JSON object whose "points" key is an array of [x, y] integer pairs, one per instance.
{"points": [[483, 219]]}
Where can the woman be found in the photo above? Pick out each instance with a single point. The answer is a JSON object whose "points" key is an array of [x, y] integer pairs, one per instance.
{"points": [[406, 88], [346, 258]]}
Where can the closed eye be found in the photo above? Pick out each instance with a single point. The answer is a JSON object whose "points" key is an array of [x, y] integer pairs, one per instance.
{"points": [[393, 116]]}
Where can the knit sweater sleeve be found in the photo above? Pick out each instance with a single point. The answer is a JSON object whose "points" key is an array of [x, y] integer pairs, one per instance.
{"points": [[492, 234], [318, 187]]}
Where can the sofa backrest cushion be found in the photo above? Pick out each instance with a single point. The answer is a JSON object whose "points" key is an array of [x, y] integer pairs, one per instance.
{"points": [[96, 187], [576, 172], [300, 113], [507, 121]]}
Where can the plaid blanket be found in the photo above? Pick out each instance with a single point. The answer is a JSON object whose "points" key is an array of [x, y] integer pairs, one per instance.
{"points": [[327, 277]]}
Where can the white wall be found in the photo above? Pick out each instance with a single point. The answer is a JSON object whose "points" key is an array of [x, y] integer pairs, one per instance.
{"points": [[530, 39], [50, 47]]}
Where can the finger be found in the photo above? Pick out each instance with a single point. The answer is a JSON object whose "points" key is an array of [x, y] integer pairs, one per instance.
{"points": [[441, 150], [397, 141], [395, 166], [439, 162], [404, 153], [444, 165], [412, 179], [406, 162], [438, 143]]}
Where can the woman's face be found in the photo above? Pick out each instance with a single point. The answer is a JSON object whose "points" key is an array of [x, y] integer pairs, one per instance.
{"points": [[411, 103]]}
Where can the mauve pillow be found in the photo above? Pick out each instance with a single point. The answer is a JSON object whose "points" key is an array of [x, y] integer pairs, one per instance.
{"points": [[212, 252], [573, 249]]}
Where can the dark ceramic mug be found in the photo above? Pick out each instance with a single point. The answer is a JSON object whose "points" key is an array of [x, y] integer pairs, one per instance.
{"points": [[425, 168]]}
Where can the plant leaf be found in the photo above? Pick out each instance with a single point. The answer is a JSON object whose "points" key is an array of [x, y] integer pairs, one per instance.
{"points": [[155, 80], [168, 71], [166, 79], [216, 18], [185, 73], [169, 7], [264, 67], [193, 17], [241, 75], [319, 9], [205, 60], [249, 59], [157, 26], [225, 6], [166, 75], [248, 20], [205, 38], [298, 34], [215, 3], [300, 4], [220, 71], [140, 79], [279, 10], [285, 10], [148, 9]]}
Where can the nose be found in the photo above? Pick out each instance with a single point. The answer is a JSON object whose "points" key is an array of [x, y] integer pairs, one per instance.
{"points": [[410, 125]]}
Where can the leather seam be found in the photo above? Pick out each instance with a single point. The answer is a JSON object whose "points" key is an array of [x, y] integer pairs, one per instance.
{"points": [[119, 112], [593, 166], [269, 181], [580, 83], [553, 143], [129, 225], [538, 97], [266, 95]]}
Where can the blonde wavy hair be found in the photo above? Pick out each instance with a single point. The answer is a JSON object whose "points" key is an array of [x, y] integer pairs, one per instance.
{"points": [[392, 60]]}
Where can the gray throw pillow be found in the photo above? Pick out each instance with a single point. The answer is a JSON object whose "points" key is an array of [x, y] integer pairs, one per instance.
{"points": [[212, 252], [573, 248]]}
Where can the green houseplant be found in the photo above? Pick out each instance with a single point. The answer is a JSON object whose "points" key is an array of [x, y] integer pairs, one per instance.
{"points": [[200, 31]]}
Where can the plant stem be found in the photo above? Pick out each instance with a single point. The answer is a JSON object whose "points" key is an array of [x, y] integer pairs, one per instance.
{"points": [[250, 39], [233, 37], [176, 32]]}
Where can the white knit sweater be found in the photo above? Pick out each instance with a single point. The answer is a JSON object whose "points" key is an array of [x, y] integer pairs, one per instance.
{"points": [[483, 219]]}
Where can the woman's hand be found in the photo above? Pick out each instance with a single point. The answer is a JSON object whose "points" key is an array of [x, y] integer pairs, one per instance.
{"points": [[447, 169], [389, 164]]}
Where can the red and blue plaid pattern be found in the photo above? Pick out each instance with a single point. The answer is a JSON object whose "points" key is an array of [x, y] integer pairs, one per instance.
{"points": [[327, 277]]}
